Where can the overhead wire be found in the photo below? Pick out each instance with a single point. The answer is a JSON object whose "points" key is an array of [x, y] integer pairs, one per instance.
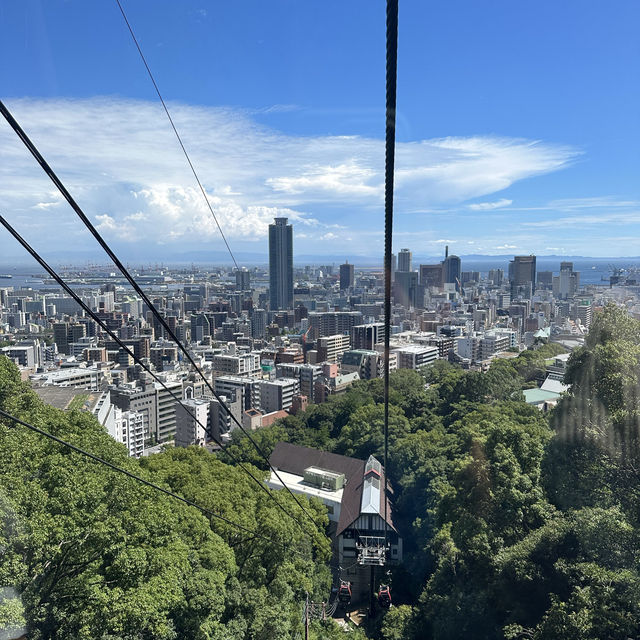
{"points": [[128, 350], [114, 467], [175, 130], [80, 213], [389, 165]]}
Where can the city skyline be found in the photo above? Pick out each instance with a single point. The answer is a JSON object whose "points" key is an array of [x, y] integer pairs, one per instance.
{"points": [[528, 165]]}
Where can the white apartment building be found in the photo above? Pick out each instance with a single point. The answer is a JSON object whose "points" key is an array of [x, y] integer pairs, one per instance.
{"points": [[277, 395], [23, 356], [231, 364], [166, 403], [468, 347], [414, 356], [243, 387], [129, 430], [331, 348], [493, 343], [478, 347], [192, 415]]}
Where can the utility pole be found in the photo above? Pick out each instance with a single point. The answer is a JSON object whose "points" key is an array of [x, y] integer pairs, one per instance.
{"points": [[306, 619], [372, 592]]}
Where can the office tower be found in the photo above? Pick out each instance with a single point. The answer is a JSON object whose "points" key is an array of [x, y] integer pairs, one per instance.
{"points": [[545, 279], [64, 335], [407, 292], [60, 330], [452, 269], [496, 276], [243, 280], [394, 266], [200, 327], [367, 336], [258, 323], [522, 275], [404, 260], [566, 284], [281, 264], [346, 276], [431, 275]]}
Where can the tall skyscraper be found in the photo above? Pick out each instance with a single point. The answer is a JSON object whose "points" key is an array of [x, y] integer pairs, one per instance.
{"points": [[566, 284], [496, 276], [407, 291], [452, 268], [522, 275], [404, 260], [280, 265], [432, 275], [347, 278], [243, 280]]}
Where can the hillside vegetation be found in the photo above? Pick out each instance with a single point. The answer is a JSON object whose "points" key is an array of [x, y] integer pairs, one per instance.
{"points": [[516, 524]]}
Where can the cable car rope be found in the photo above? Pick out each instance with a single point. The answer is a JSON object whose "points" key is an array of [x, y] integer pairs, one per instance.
{"points": [[389, 162], [128, 350], [114, 467], [80, 213], [175, 130]]}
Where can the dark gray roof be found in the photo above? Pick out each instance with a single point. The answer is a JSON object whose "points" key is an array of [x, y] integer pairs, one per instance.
{"points": [[295, 459], [292, 458]]}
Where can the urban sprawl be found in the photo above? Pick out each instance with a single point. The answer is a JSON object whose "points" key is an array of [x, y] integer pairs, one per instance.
{"points": [[271, 341]]}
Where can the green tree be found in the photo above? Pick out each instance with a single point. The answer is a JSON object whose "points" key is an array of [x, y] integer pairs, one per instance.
{"points": [[90, 553], [363, 435], [398, 623], [575, 577]]}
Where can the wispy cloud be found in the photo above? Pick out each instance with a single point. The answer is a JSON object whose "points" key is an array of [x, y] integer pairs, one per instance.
{"points": [[120, 160], [582, 220], [489, 206]]}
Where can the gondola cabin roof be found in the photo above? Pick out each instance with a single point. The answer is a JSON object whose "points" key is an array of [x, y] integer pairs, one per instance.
{"points": [[363, 490]]}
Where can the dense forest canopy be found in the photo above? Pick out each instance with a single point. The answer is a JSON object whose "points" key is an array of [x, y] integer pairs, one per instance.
{"points": [[90, 553], [516, 524]]}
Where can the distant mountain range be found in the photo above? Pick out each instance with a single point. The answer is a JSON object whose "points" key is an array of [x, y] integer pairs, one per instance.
{"points": [[247, 258]]}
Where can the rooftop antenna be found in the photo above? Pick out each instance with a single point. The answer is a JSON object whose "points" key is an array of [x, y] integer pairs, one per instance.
{"points": [[446, 251]]}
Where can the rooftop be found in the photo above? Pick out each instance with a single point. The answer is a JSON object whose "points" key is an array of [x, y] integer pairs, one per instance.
{"points": [[538, 396], [296, 482], [293, 459]]}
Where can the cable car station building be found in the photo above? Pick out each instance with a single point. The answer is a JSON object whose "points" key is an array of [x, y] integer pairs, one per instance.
{"points": [[353, 492]]}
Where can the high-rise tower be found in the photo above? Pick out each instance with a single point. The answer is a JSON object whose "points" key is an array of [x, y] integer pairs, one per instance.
{"points": [[452, 270], [404, 260], [346, 276], [522, 275], [280, 264]]}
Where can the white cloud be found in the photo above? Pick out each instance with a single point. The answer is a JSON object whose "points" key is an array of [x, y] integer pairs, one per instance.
{"points": [[120, 160], [577, 221], [507, 246], [46, 205], [347, 179], [488, 206]]}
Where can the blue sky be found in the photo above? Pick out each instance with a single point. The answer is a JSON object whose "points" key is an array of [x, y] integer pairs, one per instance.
{"points": [[518, 125]]}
